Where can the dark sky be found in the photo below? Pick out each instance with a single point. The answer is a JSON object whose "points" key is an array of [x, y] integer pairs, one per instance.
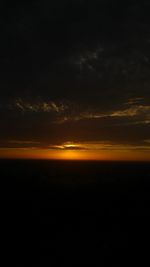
{"points": [[76, 70]]}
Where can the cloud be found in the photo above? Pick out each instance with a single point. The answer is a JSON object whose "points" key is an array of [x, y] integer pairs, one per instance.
{"points": [[19, 144], [68, 146], [105, 145], [135, 100], [26, 142], [36, 107], [132, 111], [140, 114], [54, 122], [135, 111], [71, 111], [101, 145], [87, 59]]}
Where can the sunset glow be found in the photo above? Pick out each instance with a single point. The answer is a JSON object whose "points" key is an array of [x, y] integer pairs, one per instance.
{"points": [[75, 81], [80, 151]]}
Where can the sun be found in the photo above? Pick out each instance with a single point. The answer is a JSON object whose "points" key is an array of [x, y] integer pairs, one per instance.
{"points": [[70, 145], [69, 151]]}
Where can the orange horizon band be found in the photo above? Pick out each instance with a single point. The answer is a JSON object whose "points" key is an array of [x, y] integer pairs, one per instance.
{"points": [[130, 155]]}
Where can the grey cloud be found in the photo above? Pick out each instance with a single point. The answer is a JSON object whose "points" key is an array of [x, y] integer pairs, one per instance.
{"points": [[138, 113], [49, 106], [134, 111]]}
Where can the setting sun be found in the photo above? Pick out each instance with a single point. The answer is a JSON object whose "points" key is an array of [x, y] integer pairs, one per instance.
{"points": [[79, 151]]}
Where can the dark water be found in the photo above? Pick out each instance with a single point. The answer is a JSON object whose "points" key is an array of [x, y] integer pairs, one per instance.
{"points": [[75, 213]]}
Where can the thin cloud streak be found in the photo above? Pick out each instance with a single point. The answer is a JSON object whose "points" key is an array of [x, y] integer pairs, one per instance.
{"points": [[132, 112], [37, 106], [135, 112], [85, 146]]}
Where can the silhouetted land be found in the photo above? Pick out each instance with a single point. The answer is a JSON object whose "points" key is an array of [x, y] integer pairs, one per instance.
{"points": [[66, 213]]}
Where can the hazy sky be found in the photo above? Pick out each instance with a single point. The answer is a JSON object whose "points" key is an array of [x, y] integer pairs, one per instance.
{"points": [[75, 71]]}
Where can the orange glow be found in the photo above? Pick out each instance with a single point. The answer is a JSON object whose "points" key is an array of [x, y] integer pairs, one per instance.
{"points": [[64, 154]]}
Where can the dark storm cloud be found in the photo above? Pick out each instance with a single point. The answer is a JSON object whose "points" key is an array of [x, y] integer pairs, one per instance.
{"points": [[75, 69]]}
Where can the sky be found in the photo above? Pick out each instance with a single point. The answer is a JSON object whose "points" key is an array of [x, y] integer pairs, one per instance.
{"points": [[75, 79]]}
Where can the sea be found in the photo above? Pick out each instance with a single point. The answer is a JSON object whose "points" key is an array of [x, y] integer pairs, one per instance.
{"points": [[74, 213]]}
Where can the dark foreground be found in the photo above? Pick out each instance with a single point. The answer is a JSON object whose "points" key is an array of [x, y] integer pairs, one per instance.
{"points": [[75, 213]]}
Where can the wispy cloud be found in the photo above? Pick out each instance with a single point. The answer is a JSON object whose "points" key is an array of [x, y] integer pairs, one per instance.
{"points": [[39, 106], [106, 145], [87, 59], [100, 146], [140, 114], [22, 142], [134, 100], [134, 111]]}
